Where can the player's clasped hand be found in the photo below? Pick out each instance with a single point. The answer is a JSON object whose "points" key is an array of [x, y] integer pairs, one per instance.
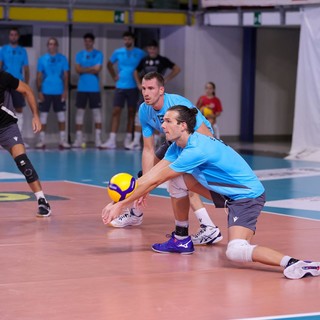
{"points": [[110, 212]]}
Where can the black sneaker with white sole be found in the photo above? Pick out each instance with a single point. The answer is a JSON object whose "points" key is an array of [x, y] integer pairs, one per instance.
{"points": [[44, 209]]}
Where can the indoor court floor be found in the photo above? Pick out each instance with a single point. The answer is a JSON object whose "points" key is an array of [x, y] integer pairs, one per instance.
{"points": [[71, 266]]}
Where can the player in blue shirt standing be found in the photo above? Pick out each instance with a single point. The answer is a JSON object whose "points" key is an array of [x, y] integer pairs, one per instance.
{"points": [[14, 60], [127, 59], [52, 84], [211, 168], [88, 65]]}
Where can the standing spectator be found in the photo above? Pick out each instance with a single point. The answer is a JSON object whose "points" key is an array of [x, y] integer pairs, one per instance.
{"points": [[127, 59], [88, 65], [151, 63], [52, 84], [210, 106], [14, 60]]}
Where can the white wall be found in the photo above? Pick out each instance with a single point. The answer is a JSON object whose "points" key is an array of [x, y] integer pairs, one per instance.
{"points": [[276, 69], [215, 54]]}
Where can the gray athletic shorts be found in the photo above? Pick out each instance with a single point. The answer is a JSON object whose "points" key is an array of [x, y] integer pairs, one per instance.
{"points": [[10, 136], [55, 101], [93, 97], [162, 149], [245, 212], [121, 96], [18, 99]]}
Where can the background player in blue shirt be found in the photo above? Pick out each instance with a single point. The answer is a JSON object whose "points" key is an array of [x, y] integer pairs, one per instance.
{"points": [[153, 62], [88, 65], [52, 84], [14, 60], [151, 114], [211, 168], [127, 59]]}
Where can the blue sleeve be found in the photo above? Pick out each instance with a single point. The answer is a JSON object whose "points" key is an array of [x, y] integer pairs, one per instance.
{"points": [[100, 58], [25, 57], [65, 64], [78, 58], [40, 65], [189, 159], [114, 56], [147, 130], [171, 154]]}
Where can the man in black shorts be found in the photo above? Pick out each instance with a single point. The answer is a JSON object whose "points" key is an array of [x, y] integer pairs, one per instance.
{"points": [[10, 136]]}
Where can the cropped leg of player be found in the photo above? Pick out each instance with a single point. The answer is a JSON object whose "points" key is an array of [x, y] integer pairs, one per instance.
{"points": [[135, 144], [63, 144], [208, 233], [241, 231], [18, 152], [179, 240]]}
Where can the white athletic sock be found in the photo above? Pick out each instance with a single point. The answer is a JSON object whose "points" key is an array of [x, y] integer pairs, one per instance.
{"points": [[98, 133], [112, 136], [137, 136], [137, 211], [39, 195], [20, 120], [184, 224], [79, 135], [284, 261], [62, 136], [203, 217], [42, 136], [128, 136]]}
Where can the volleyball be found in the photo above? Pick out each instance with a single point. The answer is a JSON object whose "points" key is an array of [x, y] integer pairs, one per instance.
{"points": [[207, 112], [121, 186]]}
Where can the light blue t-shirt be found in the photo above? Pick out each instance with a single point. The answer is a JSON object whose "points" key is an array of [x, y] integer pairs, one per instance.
{"points": [[13, 60], [128, 61], [151, 119], [89, 82], [52, 68], [216, 166]]}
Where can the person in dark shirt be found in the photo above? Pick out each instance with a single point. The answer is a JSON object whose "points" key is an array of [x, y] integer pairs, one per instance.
{"points": [[10, 135], [154, 62]]}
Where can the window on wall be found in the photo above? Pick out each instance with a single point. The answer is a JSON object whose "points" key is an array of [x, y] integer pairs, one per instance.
{"points": [[25, 32]]}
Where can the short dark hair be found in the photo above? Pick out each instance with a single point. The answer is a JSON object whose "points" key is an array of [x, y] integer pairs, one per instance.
{"points": [[155, 75], [187, 115], [14, 29], [89, 35], [128, 34], [153, 43]]}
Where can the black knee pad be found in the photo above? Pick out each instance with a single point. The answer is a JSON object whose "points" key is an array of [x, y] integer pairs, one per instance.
{"points": [[26, 168]]}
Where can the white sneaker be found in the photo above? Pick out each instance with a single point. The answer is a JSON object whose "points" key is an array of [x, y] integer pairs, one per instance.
{"points": [[134, 146], [299, 269], [207, 235], [108, 145], [127, 141], [40, 145], [77, 144], [128, 218], [64, 145]]}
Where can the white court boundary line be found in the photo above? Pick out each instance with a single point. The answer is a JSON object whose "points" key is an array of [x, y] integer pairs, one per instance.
{"points": [[283, 317]]}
